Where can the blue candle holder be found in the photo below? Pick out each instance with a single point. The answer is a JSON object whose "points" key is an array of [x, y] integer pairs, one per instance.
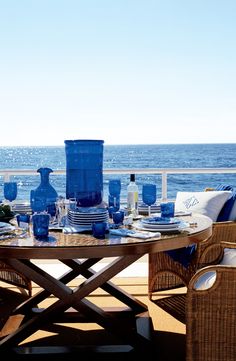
{"points": [[99, 229]]}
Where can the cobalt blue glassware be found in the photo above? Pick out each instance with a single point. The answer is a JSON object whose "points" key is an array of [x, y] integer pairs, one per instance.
{"points": [[99, 229], [114, 188], [149, 195], [44, 196], [41, 225], [167, 209], [84, 171], [118, 217], [23, 221], [111, 209], [114, 202], [10, 191]]}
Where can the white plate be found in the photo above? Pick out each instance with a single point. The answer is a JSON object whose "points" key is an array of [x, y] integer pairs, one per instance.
{"points": [[8, 228], [81, 223], [90, 217], [182, 213], [159, 226], [3, 224], [177, 228]]}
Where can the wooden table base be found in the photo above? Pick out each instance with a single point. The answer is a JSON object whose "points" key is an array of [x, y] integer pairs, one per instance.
{"points": [[131, 323]]}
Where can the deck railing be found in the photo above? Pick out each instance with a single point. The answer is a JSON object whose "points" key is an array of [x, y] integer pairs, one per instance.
{"points": [[164, 172]]}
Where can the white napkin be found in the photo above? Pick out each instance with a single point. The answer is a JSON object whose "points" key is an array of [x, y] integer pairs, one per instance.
{"points": [[129, 233]]}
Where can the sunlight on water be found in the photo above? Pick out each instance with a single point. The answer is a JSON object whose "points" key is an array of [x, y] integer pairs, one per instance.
{"points": [[128, 156]]}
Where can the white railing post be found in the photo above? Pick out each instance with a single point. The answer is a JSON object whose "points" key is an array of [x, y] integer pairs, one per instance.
{"points": [[164, 186], [6, 177]]}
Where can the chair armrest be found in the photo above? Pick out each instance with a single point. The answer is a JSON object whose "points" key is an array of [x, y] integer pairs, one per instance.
{"points": [[210, 316], [210, 251]]}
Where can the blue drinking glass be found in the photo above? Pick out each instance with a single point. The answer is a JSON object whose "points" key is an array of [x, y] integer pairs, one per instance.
{"points": [[114, 202], [118, 217], [149, 195], [99, 229], [114, 188], [111, 210], [167, 209], [41, 225], [10, 191], [23, 221]]}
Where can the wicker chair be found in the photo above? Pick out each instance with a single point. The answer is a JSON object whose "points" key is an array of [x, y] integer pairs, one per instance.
{"points": [[210, 316], [13, 277], [166, 274], [209, 313]]}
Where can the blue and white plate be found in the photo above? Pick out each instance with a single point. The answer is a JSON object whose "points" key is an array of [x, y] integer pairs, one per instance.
{"points": [[86, 216], [160, 221], [89, 210]]}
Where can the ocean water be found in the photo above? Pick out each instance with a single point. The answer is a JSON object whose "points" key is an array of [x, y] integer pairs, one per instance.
{"points": [[127, 156]]}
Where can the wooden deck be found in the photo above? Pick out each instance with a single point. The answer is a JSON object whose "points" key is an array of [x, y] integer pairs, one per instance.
{"points": [[167, 330]]}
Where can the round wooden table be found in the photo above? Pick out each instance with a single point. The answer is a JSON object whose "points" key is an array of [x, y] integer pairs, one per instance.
{"points": [[80, 252]]}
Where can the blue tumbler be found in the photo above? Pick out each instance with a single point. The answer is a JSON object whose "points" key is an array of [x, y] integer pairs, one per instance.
{"points": [[41, 225], [84, 171]]}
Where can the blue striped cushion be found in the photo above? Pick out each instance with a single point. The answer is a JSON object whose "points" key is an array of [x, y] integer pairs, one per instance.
{"points": [[225, 212]]}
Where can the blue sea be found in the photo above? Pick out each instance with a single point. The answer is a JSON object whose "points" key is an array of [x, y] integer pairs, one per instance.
{"points": [[127, 156]]}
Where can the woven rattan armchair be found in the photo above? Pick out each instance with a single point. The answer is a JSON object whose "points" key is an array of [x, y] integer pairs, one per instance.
{"points": [[209, 310], [166, 274], [13, 277], [211, 314]]}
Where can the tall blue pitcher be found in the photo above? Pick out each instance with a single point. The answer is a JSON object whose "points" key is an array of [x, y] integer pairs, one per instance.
{"points": [[84, 171]]}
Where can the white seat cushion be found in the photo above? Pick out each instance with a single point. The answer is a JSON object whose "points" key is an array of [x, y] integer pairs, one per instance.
{"points": [[206, 203], [229, 258], [207, 279]]}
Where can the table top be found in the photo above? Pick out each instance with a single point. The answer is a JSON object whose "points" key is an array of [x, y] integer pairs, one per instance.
{"points": [[62, 246]]}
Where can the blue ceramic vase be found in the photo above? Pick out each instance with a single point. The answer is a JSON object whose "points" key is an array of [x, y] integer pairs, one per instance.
{"points": [[45, 191], [84, 171]]}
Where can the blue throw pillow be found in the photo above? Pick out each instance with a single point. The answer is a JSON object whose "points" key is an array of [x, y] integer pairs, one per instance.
{"points": [[183, 255], [224, 187], [226, 209]]}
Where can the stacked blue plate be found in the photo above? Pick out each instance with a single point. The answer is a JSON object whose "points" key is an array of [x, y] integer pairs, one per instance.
{"points": [[22, 207], [86, 216]]}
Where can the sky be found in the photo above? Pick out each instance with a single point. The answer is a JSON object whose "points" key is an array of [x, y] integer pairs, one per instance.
{"points": [[125, 71]]}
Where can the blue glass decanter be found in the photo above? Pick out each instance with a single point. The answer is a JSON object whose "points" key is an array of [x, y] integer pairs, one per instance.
{"points": [[45, 191]]}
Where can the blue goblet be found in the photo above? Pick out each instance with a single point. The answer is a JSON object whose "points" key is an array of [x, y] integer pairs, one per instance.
{"points": [[10, 191], [118, 218], [149, 195], [114, 193]]}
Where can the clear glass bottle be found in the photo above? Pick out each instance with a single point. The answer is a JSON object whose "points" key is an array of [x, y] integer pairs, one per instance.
{"points": [[132, 197]]}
